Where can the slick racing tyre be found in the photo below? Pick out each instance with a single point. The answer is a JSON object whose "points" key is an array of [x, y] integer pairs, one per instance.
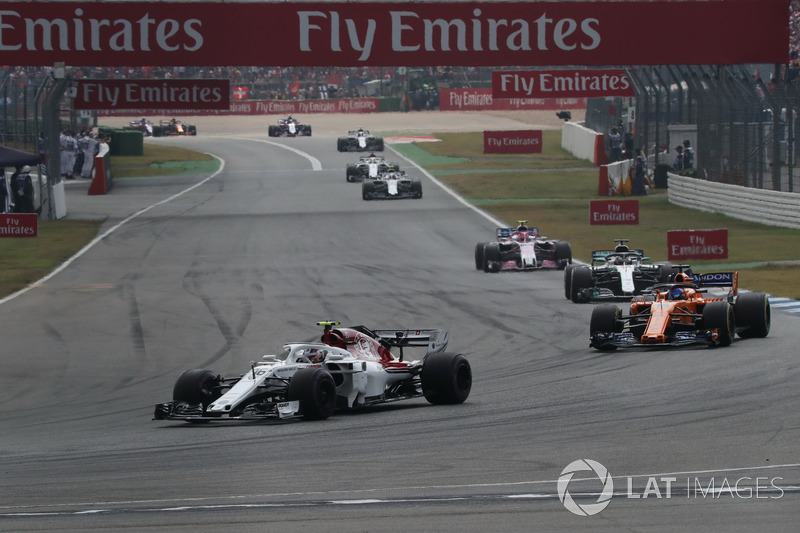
{"points": [[315, 389], [272, 131], [196, 387], [568, 281], [753, 315], [581, 279], [479, 258], [605, 319], [446, 378], [719, 316], [350, 173], [492, 257], [666, 273], [562, 254], [367, 188], [416, 189]]}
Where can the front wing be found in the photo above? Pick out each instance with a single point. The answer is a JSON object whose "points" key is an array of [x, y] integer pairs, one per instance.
{"points": [[262, 411]]}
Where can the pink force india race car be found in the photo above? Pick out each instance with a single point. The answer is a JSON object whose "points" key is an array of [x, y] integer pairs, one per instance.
{"points": [[522, 248], [349, 368]]}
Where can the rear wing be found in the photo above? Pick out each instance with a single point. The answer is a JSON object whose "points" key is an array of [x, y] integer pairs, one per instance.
{"points": [[719, 280], [504, 234], [600, 255], [434, 339]]}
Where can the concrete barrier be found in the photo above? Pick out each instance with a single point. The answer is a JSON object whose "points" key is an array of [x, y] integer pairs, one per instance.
{"points": [[773, 208], [583, 142]]}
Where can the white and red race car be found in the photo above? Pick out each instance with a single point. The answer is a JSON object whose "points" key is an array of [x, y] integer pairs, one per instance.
{"points": [[350, 368]]}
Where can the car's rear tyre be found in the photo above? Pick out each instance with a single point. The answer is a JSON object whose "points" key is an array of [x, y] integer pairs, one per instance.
{"points": [[367, 188], [446, 378], [158, 131], [479, 256], [562, 254], [753, 315], [341, 144], [491, 257], [568, 281], [196, 387], [307, 130], [315, 389], [416, 189], [379, 144], [272, 131], [720, 316], [666, 273], [605, 319], [581, 279]]}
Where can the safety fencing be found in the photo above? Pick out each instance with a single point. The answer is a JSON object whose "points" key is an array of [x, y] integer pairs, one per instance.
{"points": [[745, 203]]}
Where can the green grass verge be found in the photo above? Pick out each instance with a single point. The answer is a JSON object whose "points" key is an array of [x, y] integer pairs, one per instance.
{"points": [[160, 160], [556, 200]]}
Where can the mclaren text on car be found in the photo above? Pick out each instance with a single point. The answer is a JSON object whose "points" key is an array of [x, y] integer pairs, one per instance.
{"points": [[350, 368], [615, 274], [522, 248], [681, 313]]}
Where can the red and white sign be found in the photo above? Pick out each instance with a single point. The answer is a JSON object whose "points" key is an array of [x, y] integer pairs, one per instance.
{"points": [[267, 107], [482, 99], [19, 225], [152, 94], [512, 142], [393, 33], [240, 93], [561, 84], [697, 244], [613, 212]]}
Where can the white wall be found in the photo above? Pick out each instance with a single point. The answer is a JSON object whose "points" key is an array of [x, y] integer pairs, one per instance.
{"points": [[756, 205]]}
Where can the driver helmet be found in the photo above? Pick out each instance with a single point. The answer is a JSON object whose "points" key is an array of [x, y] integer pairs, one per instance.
{"points": [[315, 355], [677, 294], [619, 260]]}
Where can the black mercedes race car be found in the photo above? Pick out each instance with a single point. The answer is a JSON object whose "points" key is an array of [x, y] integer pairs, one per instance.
{"points": [[390, 185], [359, 140], [615, 274], [289, 127], [370, 166]]}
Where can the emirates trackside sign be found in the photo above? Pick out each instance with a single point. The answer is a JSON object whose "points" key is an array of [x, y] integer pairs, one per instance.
{"points": [[393, 33], [152, 94]]}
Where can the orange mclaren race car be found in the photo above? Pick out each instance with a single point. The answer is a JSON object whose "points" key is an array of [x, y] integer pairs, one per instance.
{"points": [[680, 313]]}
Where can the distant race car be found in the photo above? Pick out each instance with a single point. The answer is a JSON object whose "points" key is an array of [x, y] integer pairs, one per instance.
{"points": [[143, 125], [368, 167], [289, 127], [681, 313], [389, 185], [615, 274], [521, 248], [173, 127], [360, 140], [349, 368]]}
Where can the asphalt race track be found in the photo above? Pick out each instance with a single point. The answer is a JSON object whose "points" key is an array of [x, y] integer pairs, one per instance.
{"points": [[215, 271]]}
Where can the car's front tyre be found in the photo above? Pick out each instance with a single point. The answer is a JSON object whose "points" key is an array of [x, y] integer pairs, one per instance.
{"points": [[315, 389]]}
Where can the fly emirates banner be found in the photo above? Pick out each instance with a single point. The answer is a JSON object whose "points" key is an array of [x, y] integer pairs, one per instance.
{"points": [[393, 33]]}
